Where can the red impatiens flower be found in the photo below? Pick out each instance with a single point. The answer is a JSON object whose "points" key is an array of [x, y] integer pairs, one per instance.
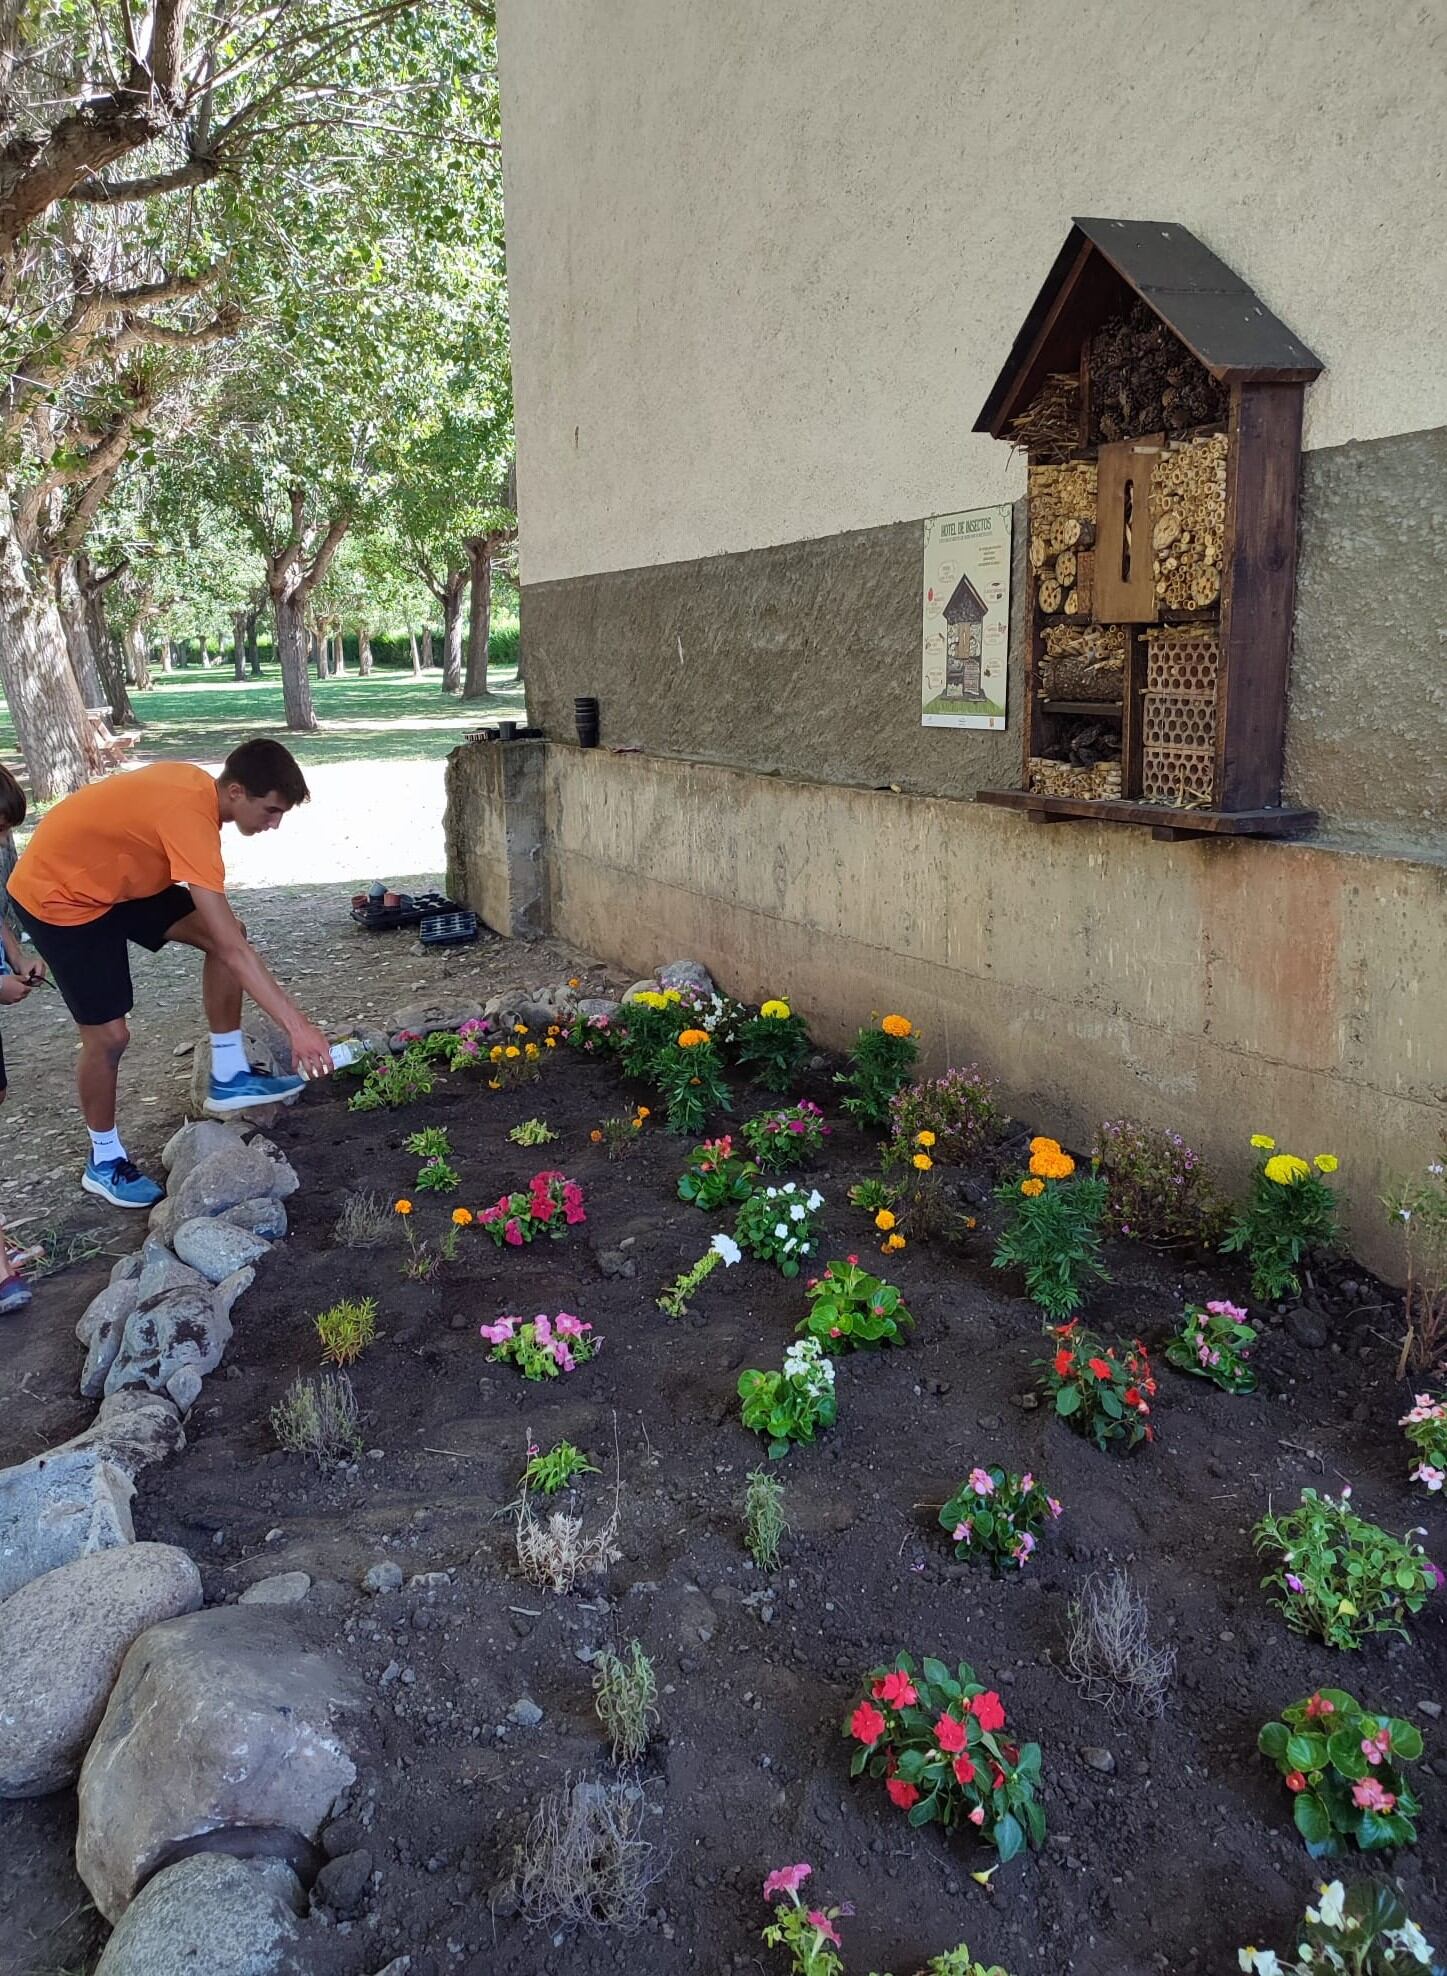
{"points": [[988, 1710], [1319, 1705], [964, 1770], [1100, 1368], [896, 1689], [902, 1794], [866, 1725], [1064, 1360], [1295, 1781], [950, 1734], [1131, 1396]]}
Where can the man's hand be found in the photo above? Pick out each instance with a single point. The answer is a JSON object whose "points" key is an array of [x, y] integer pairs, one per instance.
{"points": [[311, 1053], [13, 989], [35, 973]]}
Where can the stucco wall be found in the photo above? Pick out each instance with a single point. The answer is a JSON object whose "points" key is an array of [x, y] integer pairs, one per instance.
{"points": [[1219, 989], [803, 659], [765, 258]]}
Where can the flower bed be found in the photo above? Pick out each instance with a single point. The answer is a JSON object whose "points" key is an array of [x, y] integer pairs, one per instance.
{"points": [[757, 1670]]}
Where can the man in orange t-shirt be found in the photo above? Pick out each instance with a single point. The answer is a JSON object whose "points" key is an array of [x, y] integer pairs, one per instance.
{"points": [[138, 858]]}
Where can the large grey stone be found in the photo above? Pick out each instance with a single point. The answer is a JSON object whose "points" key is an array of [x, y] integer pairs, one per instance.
{"points": [[426, 1018], [133, 1429], [101, 1327], [225, 1179], [219, 1719], [281, 1588], [194, 1142], [593, 1006], [184, 1328], [231, 1287], [686, 974], [62, 1640], [128, 1268], [161, 1273], [263, 1217], [58, 1507], [210, 1915], [184, 1387], [161, 1221], [218, 1248]]}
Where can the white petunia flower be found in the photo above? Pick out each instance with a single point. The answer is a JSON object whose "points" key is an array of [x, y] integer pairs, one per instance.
{"points": [[797, 1212], [728, 1248], [781, 1229], [816, 1200]]}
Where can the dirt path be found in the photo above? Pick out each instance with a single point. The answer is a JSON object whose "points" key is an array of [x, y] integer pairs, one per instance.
{"points": [[293, 888]]}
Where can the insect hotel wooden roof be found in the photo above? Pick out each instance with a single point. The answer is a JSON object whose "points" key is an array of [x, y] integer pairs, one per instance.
{"points": [[966, 605], [1104, 262]]}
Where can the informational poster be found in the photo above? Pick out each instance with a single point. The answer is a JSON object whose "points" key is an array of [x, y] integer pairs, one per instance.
{"points": [[966, 618]]}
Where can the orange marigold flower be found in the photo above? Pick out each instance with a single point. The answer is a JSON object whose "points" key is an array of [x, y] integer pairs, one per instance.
{"points": [[922, 1162], [463, 1217], [691, 1038], [596, 1136], [1040, 1144], [494, 1083], [924, 1138], [884, 1220], [891, 1243], [897, 1025], [574, 982], [644, 1112], [403, 1207], [1032, 1187]]}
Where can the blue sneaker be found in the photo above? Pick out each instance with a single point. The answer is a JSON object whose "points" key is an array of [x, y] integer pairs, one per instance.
{"points": [[14, 1295], [120, 1183], [250, 1089]]}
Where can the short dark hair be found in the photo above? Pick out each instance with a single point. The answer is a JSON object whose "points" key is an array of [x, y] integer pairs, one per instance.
{"points": [[264, 768], [12, 801]]}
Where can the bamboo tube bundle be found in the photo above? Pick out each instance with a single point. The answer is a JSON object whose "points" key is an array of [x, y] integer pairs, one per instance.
{"points": [[1188, 523], [1061, 493]]}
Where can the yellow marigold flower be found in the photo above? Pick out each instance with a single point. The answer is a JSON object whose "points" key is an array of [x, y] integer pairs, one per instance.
{"points": [[463, 1217], [519, 1029], [1326, 1162], [897, 1025], [923, 1162], [550, 1042], [574, 982], [924, 1138], [1032, 1187], [530, 1050], [495, 1053], [403, 1207], [690, 1039], [1040, 1144], [1284, 1168], [552, 1029], [970, 1222], [649, 997], [775, 1010], [884, 1220], [671, 995], [891, 1244], [1263, 1142], [644, 1112], [494, 1083], [512, 1050]]}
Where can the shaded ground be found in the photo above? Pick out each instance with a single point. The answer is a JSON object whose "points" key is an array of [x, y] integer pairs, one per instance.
{"points": [[749, 1770]]}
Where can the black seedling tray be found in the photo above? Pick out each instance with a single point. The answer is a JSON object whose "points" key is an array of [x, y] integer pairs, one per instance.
{"points": [[411, 912], [451, 929]]}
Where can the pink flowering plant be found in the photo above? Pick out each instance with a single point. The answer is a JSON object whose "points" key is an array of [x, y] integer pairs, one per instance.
{"points": [[1426, 1425], [808, 1933], [542, 1347], [1157, 1187], [717, 1174], [848, 1307], [1339, 1577], [1214, 1343], [997, 1516], [551, 1206], [1342, 1766], [471, 1044], [960, 1108], [592, 1034], [786, 1136], [937, 1739]]}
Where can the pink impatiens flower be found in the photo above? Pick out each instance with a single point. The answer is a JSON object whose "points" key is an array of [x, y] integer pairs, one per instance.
{"points": [[977, 1816], [786, 1880]]}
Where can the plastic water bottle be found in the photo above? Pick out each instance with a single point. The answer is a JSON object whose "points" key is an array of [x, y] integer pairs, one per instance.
{"points": [[349, 1051]]}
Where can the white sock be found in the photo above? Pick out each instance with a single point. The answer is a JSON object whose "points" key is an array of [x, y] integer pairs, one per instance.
{"points": [[105, 1147], [228, 1055]]}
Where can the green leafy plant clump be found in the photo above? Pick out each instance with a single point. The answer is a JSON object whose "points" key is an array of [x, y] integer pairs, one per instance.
{"points": [[772, 1045], [555, 1470], [394, 1081], [1289, 1213], [532, 1132], [626, 1690], [936, 1737], [438, 1176], [998, 1516], [1342, 1765], [433, 1142], [689, 1074], [1362, 1932], [810, 1936], [717, 1175], [1338, 1577], [848, 1307], [879, 1064], [765, 1523], [347, 1329], [1426, 1424], [1052, 1229], [1214, 1343], [791, 1405], [777, 1225]]}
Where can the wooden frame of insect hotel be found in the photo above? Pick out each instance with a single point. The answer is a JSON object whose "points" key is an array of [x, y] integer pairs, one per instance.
{"points": [[1159, 403]]}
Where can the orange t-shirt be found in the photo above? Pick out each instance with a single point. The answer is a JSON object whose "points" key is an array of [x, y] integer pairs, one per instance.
{"points": [[128, 837]]}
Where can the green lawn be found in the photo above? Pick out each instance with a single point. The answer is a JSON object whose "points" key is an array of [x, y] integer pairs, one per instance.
{"points": [[391, 716]]}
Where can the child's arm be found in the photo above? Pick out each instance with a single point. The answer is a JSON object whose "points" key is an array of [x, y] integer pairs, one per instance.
{"points": [[26, 968]]}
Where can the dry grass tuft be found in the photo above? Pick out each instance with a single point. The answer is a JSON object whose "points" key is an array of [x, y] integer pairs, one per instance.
{"points": [[557, 1553], [583, 1861], [318, 1417], [1109, 1650], [365, 1222]]}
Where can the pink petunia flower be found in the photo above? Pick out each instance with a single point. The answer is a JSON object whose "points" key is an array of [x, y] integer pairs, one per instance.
{"points": [[825, 1926], [513, 1233], [786, 1880]]}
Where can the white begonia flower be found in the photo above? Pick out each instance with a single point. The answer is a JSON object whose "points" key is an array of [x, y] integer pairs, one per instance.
{"points": [[728, 1248], [797, 1212], [1333, 1903], [1411, 1938], [816, 1200], [1263, 1961], [781, 1229]]}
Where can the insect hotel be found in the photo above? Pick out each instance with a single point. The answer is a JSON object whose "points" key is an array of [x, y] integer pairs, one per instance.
{"points": [[965, 615], [1159, 403]]}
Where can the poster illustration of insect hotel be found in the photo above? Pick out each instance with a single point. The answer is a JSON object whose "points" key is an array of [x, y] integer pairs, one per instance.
{"points": [[966, 619]]}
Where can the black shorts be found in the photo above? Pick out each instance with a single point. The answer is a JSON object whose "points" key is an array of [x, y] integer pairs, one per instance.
{"points": [[90, 964]]}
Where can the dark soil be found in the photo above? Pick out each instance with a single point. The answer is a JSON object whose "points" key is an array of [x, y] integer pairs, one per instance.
{"points": [[1167, 1862]]}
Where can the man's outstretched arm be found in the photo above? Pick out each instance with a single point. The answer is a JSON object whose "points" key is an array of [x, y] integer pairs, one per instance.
{"points": [[223, 935]]}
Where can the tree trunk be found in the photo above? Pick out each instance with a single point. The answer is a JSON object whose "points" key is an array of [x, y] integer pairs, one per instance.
{"points": [[40, 687], [206, 659], [452, 589], [71, 605], [319, 655], [291, 649], [479, 617], [168, 655], [238, 643], [253, 653], [364, 651], [110, 662], [427, 647], [416, 655], [339, 652], [138, 657]]}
